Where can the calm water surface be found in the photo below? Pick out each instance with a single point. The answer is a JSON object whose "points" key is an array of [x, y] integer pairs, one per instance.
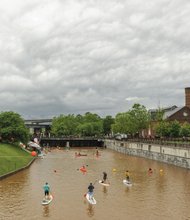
{"points": [[160, 196]]}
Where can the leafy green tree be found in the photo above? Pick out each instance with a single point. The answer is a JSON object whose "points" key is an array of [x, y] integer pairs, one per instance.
{"points": [[185, 130], [159, 114], [140, 117], [97, 128], [12, 127], [107, 122], [64, 125], [174, 128], [90, 129], [85, 129], [79, 118], [163, 129], [90, 125], [133, 121], [87, 125], [122, 123], [90, 117]]}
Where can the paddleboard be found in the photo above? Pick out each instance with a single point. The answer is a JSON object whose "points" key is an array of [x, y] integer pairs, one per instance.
{"points": [[104, 184], [90, 200], [127, 183], [47, 201]]}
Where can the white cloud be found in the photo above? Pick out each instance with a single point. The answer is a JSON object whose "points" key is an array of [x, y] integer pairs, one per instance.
{"points": [[73, 56], [133, 99]]}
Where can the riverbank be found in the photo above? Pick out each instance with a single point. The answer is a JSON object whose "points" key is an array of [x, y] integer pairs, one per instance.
{"points": [[12, 159], [178, 156]]}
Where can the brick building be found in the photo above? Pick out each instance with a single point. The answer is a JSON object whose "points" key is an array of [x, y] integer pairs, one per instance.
{"points": [[181, 114]]}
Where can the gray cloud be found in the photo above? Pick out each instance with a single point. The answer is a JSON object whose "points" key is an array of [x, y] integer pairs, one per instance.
{"points": [[74, 56]]}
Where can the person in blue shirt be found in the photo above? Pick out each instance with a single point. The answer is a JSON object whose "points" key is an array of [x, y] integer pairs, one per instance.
{"points": [[46, 188]]}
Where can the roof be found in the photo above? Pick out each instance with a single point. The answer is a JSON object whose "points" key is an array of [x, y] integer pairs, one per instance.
{"points": [[170, 108], [167, 114], [168, 111]]}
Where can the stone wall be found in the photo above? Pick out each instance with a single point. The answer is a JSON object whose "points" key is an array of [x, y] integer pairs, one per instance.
{"points": [[172, 155]]}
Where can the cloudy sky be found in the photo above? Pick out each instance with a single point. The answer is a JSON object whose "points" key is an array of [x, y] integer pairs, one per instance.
{"points": [[73, 56]]}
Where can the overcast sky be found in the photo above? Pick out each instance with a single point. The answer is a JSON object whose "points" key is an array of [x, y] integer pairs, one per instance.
{"points": [[102, 56]]}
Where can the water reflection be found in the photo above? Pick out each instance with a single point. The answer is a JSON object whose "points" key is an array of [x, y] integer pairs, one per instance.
{"points": [[46, 211], [127, 189], [105, 190], [90, 210]]}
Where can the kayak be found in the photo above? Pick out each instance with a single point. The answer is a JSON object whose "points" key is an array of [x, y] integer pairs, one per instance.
{"points": [[90, 200], [80, 155], [83, 169], [104, 184], [47, 201], [127, 183]]}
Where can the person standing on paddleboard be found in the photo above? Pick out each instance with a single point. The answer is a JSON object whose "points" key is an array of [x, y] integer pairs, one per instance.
{"points": [[127, 175], [46, 188], [104, 177], [90, 190]]}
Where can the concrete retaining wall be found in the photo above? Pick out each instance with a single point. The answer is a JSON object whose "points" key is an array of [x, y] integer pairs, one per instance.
{"points": [[167, 154]]}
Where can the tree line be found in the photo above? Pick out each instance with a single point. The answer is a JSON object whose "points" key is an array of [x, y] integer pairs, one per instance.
{"points": [[132, 123]]}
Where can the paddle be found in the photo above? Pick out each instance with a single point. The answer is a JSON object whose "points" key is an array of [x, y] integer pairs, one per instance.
{"points": [[93, 185]]}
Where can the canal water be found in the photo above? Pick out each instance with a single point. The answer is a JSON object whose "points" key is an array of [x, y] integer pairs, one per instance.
{"points": [[162, 195]]}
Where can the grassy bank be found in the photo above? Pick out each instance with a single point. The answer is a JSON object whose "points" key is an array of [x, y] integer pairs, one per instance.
{"points": [[12, 158]]}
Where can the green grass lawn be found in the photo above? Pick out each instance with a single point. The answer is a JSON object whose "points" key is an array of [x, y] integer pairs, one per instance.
{"points": [[12, 158]]}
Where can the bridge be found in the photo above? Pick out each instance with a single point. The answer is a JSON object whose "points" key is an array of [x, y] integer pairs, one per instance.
{"points": [[72, 141], [40, 123], [40, 127]]}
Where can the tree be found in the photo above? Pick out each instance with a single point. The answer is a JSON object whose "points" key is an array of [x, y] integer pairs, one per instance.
{"points": [[185, 130], [163, 129], [64, 125], [87, 125], [174, 128], [159, 114], [122, 123], [91, 125], [90, 128], [107, 122], [133, 121], [140, 117], [85, 129], [12, 127], [90, 117]]}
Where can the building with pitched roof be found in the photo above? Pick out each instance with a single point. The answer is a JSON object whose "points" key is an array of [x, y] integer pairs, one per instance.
{"points": [[180, 114]]}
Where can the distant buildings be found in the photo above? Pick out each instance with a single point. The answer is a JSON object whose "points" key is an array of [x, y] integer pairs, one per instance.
{"points": [[181, 114]]}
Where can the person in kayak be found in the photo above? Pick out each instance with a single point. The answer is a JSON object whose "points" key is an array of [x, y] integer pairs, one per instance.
{"points": [[127, 175], [90, 190], [150, 171], [97, 153], [104, 177], [46, 188]]}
